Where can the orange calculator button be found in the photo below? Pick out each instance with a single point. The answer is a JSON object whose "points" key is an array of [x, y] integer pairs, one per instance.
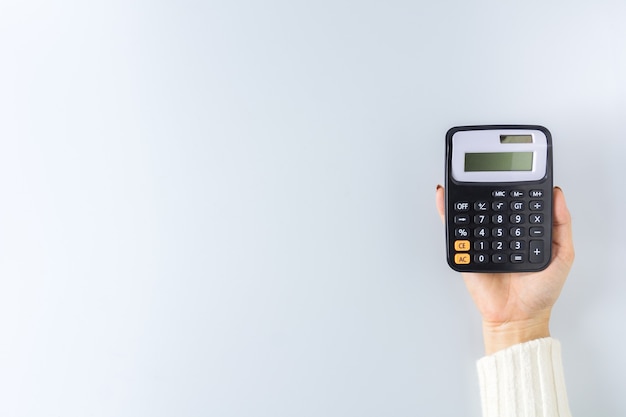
{"points": [[462, 245], [461, 258]]}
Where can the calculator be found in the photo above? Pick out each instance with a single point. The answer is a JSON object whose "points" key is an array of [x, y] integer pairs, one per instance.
{"points": [[498, 198]]}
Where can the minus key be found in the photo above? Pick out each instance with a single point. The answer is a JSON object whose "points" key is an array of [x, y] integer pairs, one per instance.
{"points": [[536, 231]]}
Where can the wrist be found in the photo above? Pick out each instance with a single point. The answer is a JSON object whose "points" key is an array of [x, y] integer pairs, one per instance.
{"points": [[498, 336]]}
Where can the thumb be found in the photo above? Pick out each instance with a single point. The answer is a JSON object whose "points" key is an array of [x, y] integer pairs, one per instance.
{"points": [[440, 201]]}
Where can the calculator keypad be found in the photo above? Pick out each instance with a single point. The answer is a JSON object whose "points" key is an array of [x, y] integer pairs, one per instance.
{"points": [[509, 228]]}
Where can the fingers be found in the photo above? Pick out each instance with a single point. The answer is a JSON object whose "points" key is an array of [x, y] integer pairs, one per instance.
{"points": [[562, 224], [440, 201], [562, 229], [561, 213]]}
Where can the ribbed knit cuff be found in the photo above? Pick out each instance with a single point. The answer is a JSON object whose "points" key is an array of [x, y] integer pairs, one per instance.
{"points": [[524, 380]]}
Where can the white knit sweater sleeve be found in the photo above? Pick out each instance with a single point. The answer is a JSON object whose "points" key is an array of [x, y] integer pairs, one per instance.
{"points": [[525, 380]]}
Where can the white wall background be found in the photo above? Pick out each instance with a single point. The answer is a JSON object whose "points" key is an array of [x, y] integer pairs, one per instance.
{"points": [[225, 208]]}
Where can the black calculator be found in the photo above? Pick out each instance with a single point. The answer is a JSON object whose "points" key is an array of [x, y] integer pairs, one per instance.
{"points": [[498, 198]]}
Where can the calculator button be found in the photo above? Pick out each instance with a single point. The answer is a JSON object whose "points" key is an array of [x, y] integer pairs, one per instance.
{"points": [[517, 258], [516, 194], [462, 245], [461, 206], [498, 258], [536, 251], [536, 218], [497, 232], [461, 259], [498, 245], [481, 232], [461, 219], [461, 232], [536, 205], [481, 219], [481, 258], [481, 206], [481, 245], [498, 193], [498, 205], [536, 231], [516, 218], [498, 218], [517, 205], [516, 231], [536, 193], [517, 245]]}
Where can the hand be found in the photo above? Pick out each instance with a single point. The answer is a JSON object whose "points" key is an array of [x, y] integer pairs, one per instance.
{"points": [[516, 307]]}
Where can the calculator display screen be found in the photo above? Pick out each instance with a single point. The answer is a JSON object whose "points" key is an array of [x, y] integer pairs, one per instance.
{"points": [[498, 161]]}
